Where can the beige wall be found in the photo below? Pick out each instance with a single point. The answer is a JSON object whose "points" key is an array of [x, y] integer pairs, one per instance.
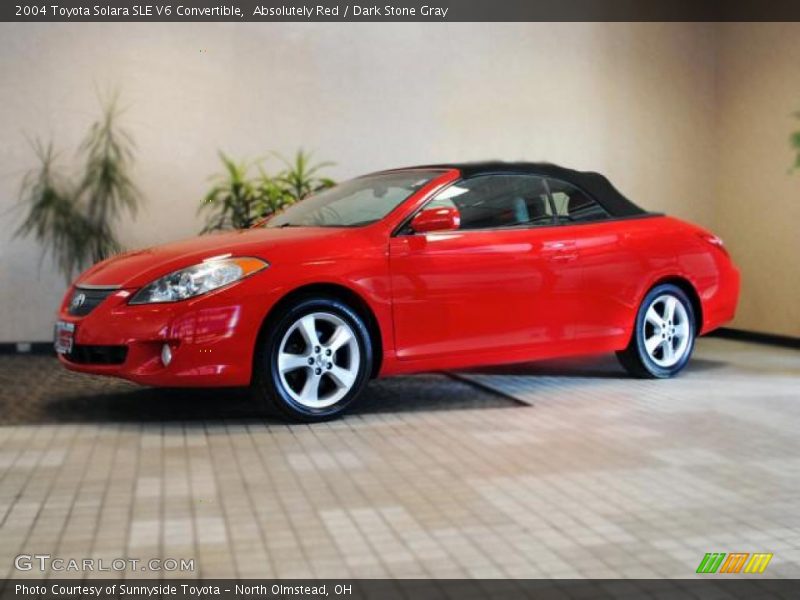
{"points": [[639, 102], [758, 199]]}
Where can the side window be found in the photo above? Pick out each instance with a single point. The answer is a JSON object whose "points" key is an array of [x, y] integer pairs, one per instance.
{"points": [[573, 205], [490, 201]]}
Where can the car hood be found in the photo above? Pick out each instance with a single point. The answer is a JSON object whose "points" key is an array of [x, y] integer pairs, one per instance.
{"points": [[140, 267]]}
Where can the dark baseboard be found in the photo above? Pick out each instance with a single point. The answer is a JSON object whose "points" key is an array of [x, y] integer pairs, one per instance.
{"points": [[39, 348], [771, 339]]}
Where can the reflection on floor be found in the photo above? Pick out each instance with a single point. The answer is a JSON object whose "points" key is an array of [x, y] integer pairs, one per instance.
{"points": [[591, 474]]}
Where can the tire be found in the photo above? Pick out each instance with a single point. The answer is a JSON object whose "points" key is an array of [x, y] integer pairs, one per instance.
{"points": [[314, 360], [663, 336]]}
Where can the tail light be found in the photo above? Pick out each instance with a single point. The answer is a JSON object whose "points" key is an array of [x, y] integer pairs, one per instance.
{"points": [[714, 241]]}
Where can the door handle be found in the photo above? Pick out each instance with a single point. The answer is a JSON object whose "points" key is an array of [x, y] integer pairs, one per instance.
{"points": [[561, 251], [556, 245], [565, 256]]}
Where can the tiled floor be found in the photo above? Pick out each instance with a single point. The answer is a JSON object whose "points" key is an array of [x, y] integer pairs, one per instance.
{"points": [[593, 474]]}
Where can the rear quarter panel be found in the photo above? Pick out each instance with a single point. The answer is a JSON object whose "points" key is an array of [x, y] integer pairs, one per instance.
{"points": [[674, 249]]}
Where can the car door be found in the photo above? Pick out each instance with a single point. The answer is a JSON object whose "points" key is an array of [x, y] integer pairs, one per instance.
{"points": [[491, 287], [610, 269]]}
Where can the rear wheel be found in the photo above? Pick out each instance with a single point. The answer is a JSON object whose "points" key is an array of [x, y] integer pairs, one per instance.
{"points": [[314, 361], [664, 333]]}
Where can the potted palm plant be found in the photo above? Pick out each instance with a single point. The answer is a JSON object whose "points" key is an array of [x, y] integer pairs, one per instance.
{"points": [[72, 218], [245, 193]]}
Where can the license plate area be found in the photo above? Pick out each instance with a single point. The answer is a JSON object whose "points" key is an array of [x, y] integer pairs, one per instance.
{"points": [[64, 337]]}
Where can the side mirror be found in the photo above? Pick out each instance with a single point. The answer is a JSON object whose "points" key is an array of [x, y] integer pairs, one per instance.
{"points": [[444, 218]]}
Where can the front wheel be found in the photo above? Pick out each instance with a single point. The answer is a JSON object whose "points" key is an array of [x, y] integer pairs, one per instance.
{"points": [[664, 333], [314, 361]]}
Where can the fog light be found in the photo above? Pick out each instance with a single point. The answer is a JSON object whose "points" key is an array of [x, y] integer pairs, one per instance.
{"points": [[166, 355]]}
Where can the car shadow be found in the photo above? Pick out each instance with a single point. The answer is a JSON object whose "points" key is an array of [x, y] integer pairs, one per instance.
{"points": [[36, 390], [589, 367], [85, 399]]}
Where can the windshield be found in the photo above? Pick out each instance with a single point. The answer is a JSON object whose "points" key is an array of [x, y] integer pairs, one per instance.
{"points": [[356, 202]]}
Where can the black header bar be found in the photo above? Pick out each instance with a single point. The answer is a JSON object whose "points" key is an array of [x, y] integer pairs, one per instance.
{"points": [[399, 10]]}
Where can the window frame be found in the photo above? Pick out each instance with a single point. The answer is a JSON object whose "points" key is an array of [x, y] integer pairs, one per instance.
{"points": [[404, 228], [563, 221]]}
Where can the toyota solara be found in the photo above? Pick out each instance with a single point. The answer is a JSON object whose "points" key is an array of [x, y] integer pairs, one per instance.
{"points": [[402, 271]]}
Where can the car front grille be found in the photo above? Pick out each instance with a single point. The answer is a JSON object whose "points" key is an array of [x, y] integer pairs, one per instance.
{"points": [[85, 300], [97, 355]]}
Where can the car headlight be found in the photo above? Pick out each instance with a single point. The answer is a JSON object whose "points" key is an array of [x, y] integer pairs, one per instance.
{"points": [[199, 279]]}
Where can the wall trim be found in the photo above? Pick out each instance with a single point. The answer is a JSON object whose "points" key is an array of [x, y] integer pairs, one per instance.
{"points": [[38, 348], [756, 337]]}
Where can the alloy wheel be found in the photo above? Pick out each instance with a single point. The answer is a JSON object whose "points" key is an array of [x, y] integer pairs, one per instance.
{"points": [[667, 331], [318, 360]]}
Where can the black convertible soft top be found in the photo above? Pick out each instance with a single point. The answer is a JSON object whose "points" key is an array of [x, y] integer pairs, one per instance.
{"points": [[594, 184]]}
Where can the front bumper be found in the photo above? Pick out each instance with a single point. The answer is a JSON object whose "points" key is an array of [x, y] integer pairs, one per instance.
{"points": [[212, 338]]}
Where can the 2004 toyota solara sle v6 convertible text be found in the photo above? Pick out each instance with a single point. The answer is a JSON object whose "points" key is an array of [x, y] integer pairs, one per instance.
{"points": [[408, 270]]}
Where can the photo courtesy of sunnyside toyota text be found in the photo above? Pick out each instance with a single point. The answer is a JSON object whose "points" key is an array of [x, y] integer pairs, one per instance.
{"points": [[407, 300]]}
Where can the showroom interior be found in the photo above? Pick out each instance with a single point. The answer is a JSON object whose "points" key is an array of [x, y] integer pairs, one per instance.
{"points": [[564, 468]]}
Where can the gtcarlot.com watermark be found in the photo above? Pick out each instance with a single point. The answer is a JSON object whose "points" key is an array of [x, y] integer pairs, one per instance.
{"points": [[46, 562]]}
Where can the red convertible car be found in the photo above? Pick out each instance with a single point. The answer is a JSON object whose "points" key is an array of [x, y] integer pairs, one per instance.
{"points": [[415, 269]]}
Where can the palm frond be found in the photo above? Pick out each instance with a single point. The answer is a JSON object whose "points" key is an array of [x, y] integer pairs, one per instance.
{"points": [[237, 199], [73, 222], [300, 174], [107, 187], [794, 141]]}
